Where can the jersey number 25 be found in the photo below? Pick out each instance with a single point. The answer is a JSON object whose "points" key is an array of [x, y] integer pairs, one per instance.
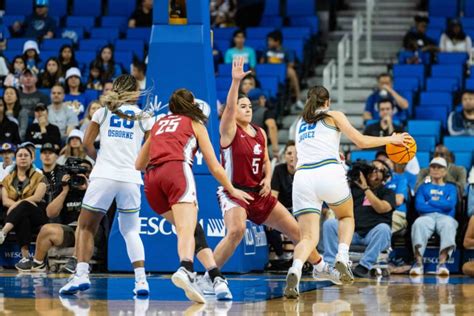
{"points": [[168, 126]]}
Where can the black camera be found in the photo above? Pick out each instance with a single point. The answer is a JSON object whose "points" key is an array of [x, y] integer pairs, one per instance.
{"points": [[74, 168], [353, 175]]}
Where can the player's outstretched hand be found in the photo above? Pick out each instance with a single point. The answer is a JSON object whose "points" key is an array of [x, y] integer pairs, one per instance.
{"points": [[238, 72], [403, 139], [241, 195]]}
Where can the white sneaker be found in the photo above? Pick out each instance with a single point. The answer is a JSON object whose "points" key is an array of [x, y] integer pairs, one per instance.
{"points": [[141, 288], [327, 274], [205, 284], [417, 269], [292, 283], [221, 288], [343, 265], [187, 281], [442, 270], [75, 284], [2, 237]]}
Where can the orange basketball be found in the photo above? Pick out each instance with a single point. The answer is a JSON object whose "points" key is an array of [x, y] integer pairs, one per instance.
{"points": [[401, 154]]}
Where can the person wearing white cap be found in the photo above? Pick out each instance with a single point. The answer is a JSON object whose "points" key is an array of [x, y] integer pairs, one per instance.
{"points": [[435, 202], [31, 55], [38, 25], [74, 148], [74, 98]]}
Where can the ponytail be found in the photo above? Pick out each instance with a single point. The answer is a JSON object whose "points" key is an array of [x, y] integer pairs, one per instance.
{"points": [[316, 100]]}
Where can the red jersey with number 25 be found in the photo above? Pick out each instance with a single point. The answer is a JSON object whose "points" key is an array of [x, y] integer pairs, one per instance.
{"points": [[172, 139], [243, 158]]}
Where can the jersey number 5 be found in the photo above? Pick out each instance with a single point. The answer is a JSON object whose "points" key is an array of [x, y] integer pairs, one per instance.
{"points": [[255, 165], [168, 126]]}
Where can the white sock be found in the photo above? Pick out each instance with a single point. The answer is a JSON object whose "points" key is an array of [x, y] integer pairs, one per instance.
{"points": [[298, 264], [82, 268], [343, 249], [37, 261], [320, 266], [140, 274]]}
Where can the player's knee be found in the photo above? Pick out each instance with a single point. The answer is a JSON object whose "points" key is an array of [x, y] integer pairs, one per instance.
{"points": [[236, 232]]}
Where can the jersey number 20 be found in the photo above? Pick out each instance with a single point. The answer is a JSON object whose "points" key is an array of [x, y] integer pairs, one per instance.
{"points": [[116, 121], [168, 126]]}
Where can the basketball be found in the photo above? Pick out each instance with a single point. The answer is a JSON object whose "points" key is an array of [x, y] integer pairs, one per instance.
{"points": [[400, 153]]}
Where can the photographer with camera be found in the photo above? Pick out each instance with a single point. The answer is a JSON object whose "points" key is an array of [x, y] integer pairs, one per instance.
{"points": [[67, 186], [373, 207]]}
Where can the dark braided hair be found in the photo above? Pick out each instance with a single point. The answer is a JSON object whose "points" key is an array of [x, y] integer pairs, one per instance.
{"points": [[124, 90], [316, 99]]}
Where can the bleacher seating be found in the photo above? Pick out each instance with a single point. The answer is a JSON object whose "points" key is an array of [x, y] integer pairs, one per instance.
{"points": [[443, 8], [87, 8], [425, 128], [368, 155], [459, 143], [120, 8], [19, 7]]}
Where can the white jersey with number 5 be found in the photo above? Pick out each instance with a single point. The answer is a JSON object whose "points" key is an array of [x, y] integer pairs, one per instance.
{"points": [[120, 142], [316, 143]]}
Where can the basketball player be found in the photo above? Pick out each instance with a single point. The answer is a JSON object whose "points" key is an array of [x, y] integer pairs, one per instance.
{"points": [[320, 177], [244, 156], [113, 177], [171, 191]]}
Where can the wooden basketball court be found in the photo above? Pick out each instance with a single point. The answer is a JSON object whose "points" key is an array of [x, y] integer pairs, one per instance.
{"points": [[255, 294]]}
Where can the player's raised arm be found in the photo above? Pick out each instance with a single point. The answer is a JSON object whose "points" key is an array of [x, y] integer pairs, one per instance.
{"points": [[228, 124], [213, 164], [364, 141]]}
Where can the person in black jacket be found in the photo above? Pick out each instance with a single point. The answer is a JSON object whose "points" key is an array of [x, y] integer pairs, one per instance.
{"points": [[9, 132], [41, 131]]}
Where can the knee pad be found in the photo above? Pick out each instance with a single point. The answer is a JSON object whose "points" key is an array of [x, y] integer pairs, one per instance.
{"points": [[129, 223], [129, 226], [199, 239]]}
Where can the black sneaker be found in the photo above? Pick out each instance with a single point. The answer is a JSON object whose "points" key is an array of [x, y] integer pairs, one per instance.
{"points": [[70, 266], [24, 265], [361, 271], [38, 267]]}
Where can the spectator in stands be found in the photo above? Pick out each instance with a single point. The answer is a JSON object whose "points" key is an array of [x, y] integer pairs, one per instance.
{"points": [[385, 91], [238, 49], [95, 77], [248, 83], [64, 207], [75, 97], [31, 56], [52, 74], [138, 71], [29, 98], [373, 206], [67, 58], [91, 109], [108, 86], [435, 202], [41, 131], [385, 126], [398, 183], [277, 54], [454, 39], [60, 114], [8, 129], [455, 174], [468, 267], [38, 25], [462, 122], [105, 60], [143, 15], [11, 99], [265, 118], [223, 12], [74, 148], [17, 68], [22, 195], [7, 152], [417, 38]]}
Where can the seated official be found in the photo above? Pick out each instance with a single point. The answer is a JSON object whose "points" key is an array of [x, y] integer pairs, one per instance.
{"points": [[373, 207], [66, 191], [435, 202]]}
